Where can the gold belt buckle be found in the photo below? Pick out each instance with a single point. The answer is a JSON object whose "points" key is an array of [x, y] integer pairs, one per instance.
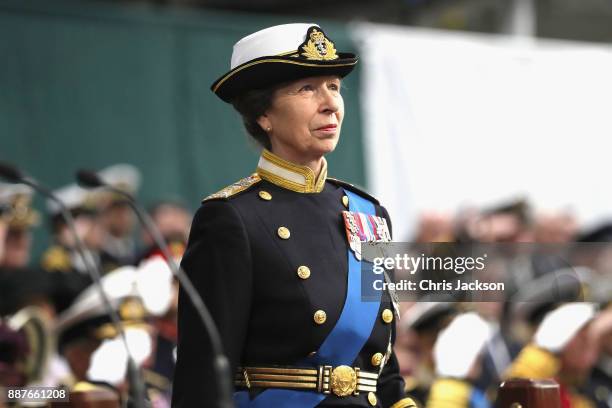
{"points": [[343, 381]]}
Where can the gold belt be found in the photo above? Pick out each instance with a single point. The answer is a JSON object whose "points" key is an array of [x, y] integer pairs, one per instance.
{"points": [[341, 380]]}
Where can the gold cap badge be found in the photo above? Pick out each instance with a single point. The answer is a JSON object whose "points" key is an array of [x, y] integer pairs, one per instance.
{"points": [[318, 46]]}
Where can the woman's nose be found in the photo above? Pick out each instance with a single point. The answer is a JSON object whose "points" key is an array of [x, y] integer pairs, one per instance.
{"points": [[329, 101]]}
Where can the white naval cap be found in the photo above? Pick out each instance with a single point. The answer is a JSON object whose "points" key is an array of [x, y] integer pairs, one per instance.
{"points": [[123, 176], [459, 345], [276, 40], [562, 324], [280, 54]]}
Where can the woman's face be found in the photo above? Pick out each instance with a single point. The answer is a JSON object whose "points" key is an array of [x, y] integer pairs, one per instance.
{"points": [[305, 118]]}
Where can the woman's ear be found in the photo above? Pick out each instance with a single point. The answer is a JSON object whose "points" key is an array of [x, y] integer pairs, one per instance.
{"points": [[264, 122]]}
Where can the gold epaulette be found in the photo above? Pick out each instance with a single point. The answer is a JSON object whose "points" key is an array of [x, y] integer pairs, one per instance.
{"points": [[535, 363], [580, 401], [404, 403], [237, 187], [446, 392], [354, 189], [56, 258]]}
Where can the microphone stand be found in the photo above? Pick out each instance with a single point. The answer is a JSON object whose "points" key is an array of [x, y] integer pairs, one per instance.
{"points": [[220, 363], [137, 390]]}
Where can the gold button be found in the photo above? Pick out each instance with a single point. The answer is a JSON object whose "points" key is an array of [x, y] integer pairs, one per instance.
{"points": [[377, 359], [387, 316], [264, 195], [345, 201], [372, 399], [284, 232], [303, 272], [320, 316]]}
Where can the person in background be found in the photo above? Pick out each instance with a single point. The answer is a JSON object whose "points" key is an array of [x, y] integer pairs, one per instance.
{"points": [[458, 358], [20, 284], [119, 221], [562, 348], [173, 220], [17, 218], [92, 347], [63, 254], [63, 262], [418, 331], [555, 227], [599, 384], [25, 340]]}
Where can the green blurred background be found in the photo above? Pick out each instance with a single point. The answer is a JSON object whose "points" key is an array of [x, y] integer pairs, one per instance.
{"points": [[87, 86]]}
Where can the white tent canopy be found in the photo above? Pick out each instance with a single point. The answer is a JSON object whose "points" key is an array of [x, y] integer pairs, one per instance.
{"points": [[454, 119]]}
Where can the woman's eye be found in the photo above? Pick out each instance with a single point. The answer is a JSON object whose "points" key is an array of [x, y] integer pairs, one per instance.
{"points": [[334, 87], [306, 88]]}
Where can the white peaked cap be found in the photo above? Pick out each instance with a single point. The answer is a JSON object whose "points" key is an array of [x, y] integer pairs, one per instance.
{"points": [[281, 54], [123, 176], [560, 325], [9, 190], [459, 345], [270, 41], [72, 196]]}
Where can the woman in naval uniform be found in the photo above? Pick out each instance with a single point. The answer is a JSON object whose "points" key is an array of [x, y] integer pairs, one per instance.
{"points": [[274, 255]]}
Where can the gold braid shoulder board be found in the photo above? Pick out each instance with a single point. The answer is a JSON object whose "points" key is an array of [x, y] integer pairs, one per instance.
{"points": [[235, 188]]}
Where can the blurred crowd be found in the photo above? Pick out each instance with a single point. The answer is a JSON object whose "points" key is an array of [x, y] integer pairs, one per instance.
{"points": [[54, 329], [553, 322]]}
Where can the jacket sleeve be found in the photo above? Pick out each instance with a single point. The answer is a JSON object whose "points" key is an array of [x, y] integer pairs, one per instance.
{"points": [[218, 262], [391, 384]]}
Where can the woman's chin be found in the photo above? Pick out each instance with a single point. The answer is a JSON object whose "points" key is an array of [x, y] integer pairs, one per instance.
{"points": [[326, 144], [326, 147]]}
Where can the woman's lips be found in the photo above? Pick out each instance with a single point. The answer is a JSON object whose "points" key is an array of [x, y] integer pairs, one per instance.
{"points": [[328, 128]]}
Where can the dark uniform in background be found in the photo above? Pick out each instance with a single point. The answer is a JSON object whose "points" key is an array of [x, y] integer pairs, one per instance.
{"points": [[269, 256]]}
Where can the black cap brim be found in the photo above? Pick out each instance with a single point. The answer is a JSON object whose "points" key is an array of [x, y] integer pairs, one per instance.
{"points": [[265, 72]]}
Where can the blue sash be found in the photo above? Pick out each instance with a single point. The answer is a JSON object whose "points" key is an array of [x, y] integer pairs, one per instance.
{"points": [[343, 343], [478, 399]]}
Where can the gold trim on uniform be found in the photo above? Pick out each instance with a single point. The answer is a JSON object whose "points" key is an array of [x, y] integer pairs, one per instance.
{"points": [[372, 399], [235, 188], [289, 175], [56, 258], [132, 309], [283, 232], [303, 272], [20, 214], [320, 317], [109, 331], [377, 359], [282, 54], [534, 362], [404, 403], [264, 195], [345, 201], [387, 316], [318, 47], [341, 380], [446, 392]]}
